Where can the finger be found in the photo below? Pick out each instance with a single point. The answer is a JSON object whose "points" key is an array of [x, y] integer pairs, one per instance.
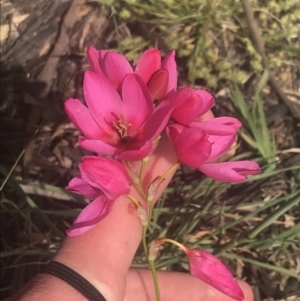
{"points": [[175, 286]]}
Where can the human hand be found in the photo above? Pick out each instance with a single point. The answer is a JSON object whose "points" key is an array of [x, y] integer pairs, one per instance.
{"points": [[104, 254]]}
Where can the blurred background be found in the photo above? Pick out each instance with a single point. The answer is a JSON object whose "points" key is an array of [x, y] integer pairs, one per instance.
{"points": [[246, 53]]}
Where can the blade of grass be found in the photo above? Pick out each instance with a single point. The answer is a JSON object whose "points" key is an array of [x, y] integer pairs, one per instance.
{"points": [[277, 213], [268, 266]]}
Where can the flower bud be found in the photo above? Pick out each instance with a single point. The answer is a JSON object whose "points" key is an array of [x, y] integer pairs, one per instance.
{"points": [[154, 249], [212, 271], [153, 187], [158, 84], [132, 171], [142, 214]]}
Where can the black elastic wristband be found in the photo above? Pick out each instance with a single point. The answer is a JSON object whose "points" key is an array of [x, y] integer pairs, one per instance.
{"points": [[74, 279]]}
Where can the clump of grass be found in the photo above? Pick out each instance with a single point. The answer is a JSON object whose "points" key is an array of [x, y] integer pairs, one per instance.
{"points": [[256, 132], [209, 36]]}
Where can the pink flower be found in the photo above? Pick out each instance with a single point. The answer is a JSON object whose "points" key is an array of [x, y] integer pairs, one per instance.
{"points": [[121, 127], [230, 171], [205, 141], [160, 76], [102, 180], [191, 145], [190, 104], [212, 271], [221, 133]]}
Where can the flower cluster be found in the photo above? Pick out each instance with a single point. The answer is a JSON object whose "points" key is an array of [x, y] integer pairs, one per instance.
{"points": [[127, 110]]}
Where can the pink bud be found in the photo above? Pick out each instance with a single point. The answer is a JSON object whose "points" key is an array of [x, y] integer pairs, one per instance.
{"points": [[207, 101], [187, 105], [169, 64], [212, 271], [158, 84]]}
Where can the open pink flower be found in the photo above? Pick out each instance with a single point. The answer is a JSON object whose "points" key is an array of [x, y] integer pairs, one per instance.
{"points": [[159, 75], [102, 180], [212, 271], [230, 171], [123, 127], [190, 104]]}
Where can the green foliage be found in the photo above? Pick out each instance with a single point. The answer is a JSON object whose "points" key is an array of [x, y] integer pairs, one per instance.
{"points": [[210, 36], [254, 119]]}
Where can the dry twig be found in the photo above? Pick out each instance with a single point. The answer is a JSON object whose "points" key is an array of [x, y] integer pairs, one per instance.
{"points": [[260, 48]]}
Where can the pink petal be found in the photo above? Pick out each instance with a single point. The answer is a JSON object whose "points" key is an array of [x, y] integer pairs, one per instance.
{"points": [[170, 65], [156, 123], [190, 144], [91, 215], [82, 119], [137, 100], [220, 145], [187, 105], [79, 186], [228, 121], [148, 63], [158, 84], [222, 134], [102, 54], [102, 99], [97, 146], [135, 155], [207, 101], [94, 60], [230, 171], [212, 271], [219, 126], [106, 174], [115, 67]]}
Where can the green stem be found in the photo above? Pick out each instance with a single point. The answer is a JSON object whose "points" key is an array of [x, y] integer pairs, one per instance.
{"points": [[150, 210], [134, 200], [145, 227], [173, 168], [141, 189], [144, 163], [154, 275], [182, 247], [144, 240]]}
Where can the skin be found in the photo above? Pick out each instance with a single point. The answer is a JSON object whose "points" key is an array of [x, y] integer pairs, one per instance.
{"points": [[103, 256]]}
